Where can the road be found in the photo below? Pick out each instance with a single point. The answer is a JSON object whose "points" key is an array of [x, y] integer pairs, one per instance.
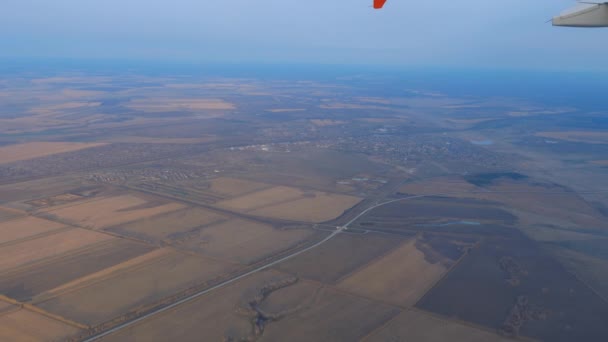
{"points": [[239, 277], [338, 230]]}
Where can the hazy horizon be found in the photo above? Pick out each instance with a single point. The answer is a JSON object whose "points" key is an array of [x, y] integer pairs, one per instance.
{"points": [[464, 34]]}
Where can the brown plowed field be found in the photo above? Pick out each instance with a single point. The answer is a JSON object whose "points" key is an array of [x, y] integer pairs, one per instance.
{"points": [[25, 227], [401, 277], [339, 257], [421, 327], [27, 326], [98, 299], [244, 241], [111, 211], [26, 252]]}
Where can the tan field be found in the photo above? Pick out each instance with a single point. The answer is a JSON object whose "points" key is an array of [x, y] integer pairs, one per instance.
{"points": [[339, 257], [334, 316], [215, 317], [166, 227], [156, 140], [9, 214], [258, 199], [286, 110], [319, 207], [114, 210], [438, 185], [27, 326], [420, 327], [232, 187], [29, 281], [401, 277], [244, 241], [175, 104], [326, 122], [292, 204], [133, 287], [13, 153], [25, 227], [559, 206], [577, 136], [29, 251]]}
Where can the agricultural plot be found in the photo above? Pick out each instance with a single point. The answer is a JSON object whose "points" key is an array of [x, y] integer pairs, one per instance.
{"points": [[219, 316], [27, 227], [36, 189], [169, 227], [52, 245], [512, 286], [400, 277], [317, 207], [132, 286], [233, 187], [292, 204], [244, 241], [22, 325], [331, 318], [109, 211], [13, 153], [339, 257], [263, 198], [8, 214], [421, 327], [29, 282]]}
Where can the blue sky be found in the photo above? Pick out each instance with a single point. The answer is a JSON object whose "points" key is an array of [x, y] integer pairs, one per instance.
{"points": [[446, 33]]}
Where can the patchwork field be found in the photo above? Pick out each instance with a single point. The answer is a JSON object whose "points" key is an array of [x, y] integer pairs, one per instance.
{"points": [[30, 251], [243, 241], [8, 214], [304, 311], [339, 257], [317, 207], [26, 227], [129, 287], [263, 198], [168, 227], [331, 318], [400, 277], [420, 327], [22, 325], [292, 204], [32, 280], [217, 316], [109, 211], [233, 187], [13, 153], [176, 104]]}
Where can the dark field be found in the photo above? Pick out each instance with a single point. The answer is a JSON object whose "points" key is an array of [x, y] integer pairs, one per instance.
{"points": [[504, 279]]}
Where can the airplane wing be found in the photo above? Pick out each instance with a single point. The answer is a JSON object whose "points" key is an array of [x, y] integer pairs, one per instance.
{"points": [[590, 15], [379, 3]]}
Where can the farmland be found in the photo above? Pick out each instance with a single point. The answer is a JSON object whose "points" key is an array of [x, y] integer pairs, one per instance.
{"points": [[329, 206]]}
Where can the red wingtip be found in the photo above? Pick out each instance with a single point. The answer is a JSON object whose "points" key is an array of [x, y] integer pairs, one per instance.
{"points": [[379, 3]]}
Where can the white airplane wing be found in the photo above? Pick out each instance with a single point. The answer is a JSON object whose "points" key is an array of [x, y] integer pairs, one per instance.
{"points": [[585, 15]]}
